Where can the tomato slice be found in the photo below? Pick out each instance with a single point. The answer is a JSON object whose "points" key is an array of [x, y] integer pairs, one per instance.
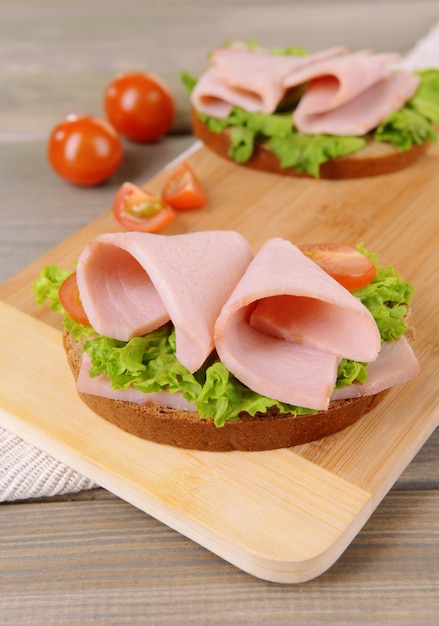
{"points": [[346, 264], [139, 210], [183, 190], [70, 300]]}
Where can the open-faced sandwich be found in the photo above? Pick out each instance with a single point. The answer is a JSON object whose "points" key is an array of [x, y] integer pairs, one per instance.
{"points": [[331, 114], [193, 340]]}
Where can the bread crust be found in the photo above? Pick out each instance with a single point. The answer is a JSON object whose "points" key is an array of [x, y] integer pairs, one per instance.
{"points": [[376, 158], [185, 429]]}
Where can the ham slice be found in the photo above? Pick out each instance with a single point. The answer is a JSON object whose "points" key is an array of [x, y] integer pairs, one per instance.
{"points": [[286, 325], [283, 370], [345, 93], [101, 386], [395, 365], [132, 283], [251, 79], [213, 97], [352, 94]]}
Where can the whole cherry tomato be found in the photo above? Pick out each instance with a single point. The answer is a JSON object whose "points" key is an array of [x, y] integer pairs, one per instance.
{"points": [[84, 149], [347, 265], [140, 106]]}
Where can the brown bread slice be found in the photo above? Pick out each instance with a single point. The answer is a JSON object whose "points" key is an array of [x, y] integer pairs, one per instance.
{"points": [[185, 429], [374, 159]]}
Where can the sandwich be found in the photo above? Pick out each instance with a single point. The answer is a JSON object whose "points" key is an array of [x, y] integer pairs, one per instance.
{"points": [[195, 341], [331, 114]]}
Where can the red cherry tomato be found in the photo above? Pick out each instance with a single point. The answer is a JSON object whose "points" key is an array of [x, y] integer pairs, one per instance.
{"points": [[182, 190], [69, 297], [84, 149], [346, 264], [140, 106], [138, 210]]}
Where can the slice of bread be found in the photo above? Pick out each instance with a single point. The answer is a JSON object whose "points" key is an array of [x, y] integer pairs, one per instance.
{"points": [[185, 429], [374, 159]]}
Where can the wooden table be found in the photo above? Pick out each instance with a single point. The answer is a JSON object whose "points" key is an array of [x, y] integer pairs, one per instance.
{"points": [[91, 557]]}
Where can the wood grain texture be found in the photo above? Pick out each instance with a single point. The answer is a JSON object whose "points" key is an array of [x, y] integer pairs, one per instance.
{"points": [[105, 562], [92, 558], [298, 519], [370, 455]]}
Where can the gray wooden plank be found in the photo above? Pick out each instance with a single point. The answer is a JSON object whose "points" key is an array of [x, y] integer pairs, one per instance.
{"points": [[75, 562], [39, 210]]}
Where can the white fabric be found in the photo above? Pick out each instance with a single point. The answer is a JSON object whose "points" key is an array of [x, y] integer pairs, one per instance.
{"points": [[25, 472]]}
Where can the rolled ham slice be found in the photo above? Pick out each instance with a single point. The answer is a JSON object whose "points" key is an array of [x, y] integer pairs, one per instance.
{"points": [[351, 94], [213, 97], [344, 93], [251, 79], [132, 283], [396, 364], [286, 325]]}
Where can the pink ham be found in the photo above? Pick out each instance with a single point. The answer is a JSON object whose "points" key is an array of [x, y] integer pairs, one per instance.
{"points": [[132, 283], [213, 97], [101, 386], [250, 79], [350, 95], [283, 370], [395, 365], [345, 93], [292, 357]]}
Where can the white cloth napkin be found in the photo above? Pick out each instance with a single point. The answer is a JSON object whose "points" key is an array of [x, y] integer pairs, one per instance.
{"points": [[25, 472]]}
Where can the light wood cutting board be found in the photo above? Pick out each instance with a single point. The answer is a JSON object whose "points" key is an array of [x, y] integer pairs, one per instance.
{"points": [[284, 515]]}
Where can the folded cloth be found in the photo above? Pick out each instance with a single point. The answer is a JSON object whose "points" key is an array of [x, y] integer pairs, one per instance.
{"points": [[26, 472]]}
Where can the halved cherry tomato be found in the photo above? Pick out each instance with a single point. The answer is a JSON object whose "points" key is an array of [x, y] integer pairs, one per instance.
{"points": [[84, 149], [182, 190], [138, 210], [140, 106], [346, 264], [70, 300]]}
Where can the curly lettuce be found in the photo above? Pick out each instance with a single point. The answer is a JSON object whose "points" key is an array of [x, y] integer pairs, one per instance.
{"points": [[46, 288], [387, 298]]}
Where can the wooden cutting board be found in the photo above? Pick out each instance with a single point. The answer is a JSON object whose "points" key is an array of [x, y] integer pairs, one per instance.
{"points": [[284, 515]]}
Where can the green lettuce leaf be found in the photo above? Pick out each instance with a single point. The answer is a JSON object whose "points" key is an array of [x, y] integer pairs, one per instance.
{"points": [[414, 122], [46, 289], [47, 285], [76, 329], [387, 298], [306, 153], [148, 362], [426, 98], [242, 142], [350, 372], [188, 81], [405, 128]]}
